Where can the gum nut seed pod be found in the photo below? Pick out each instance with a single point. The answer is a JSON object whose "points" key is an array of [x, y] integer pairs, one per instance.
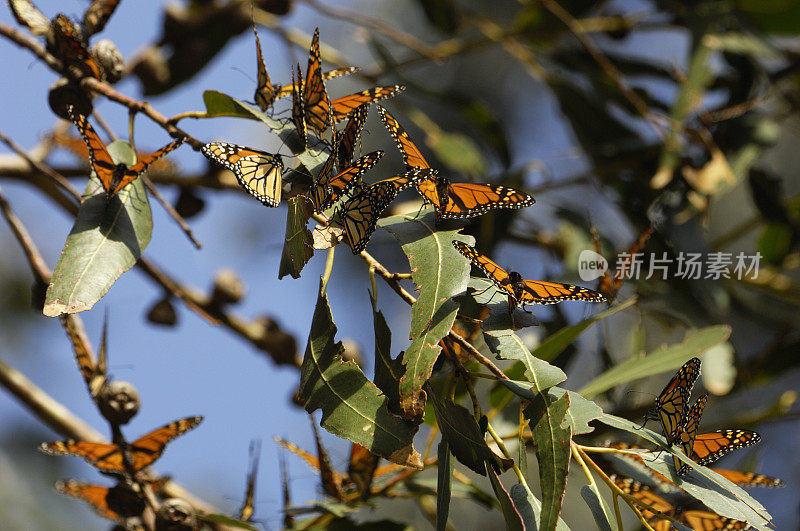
{"points": [[228, 288], [118, 402], [122, 499], [189, 204], [64, 93], [108, 56], [175, 515], [163, 313]]}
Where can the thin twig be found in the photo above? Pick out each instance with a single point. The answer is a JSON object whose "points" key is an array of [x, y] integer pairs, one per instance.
{"points": [[171, 211], [42, 168]]}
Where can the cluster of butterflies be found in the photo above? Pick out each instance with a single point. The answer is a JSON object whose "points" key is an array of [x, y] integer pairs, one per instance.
{"points": [[680, 425], [67, 40], [121, 460], [260, 173]]}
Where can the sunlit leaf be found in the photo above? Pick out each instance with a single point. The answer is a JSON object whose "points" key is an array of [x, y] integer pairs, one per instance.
{"points": [[580, 413], [107, 239]]}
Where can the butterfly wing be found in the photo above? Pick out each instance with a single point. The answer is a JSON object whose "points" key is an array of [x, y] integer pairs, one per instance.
{"points": [[749, 479], [542, 292], [317, 104], [265, 92], [343, 106], [708, 521], [29, 15], [104, 456], [321, 186], [350, 136], [412, 157], [286, 90], [709, 447], [99, 158], [298, 109], [146, 449], [345, 180], [687, 432], [68, 42], [92, 373], [359, 215], [644, 494], [94, 495], [258, 172], [137, 169], [97, 15], [672, 400], [466, 200], [494, 272]]}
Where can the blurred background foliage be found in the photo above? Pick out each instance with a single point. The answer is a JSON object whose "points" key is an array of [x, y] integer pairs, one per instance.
{"points": [[615, 114]]}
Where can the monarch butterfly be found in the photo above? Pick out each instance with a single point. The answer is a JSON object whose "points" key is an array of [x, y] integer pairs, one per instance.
{"points": [[361, 468], [67, 41], [709, 447], [749, 479], [644, 494], [29, 15], [350, 136], [344, 180], [248, 507], [109, 457], [315, 99], [687, 432], [94, 495], [97, 15], [453, 200], [94, 374], [609, 285], [265, 91], [115, 503], [359, 215], [522, 291], [113, 177], [258, 172], [298, 109], [672, 400], [708, 521], [286, 90], [343, 106]]}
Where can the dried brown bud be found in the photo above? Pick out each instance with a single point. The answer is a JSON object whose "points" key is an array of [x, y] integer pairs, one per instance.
{"points": [[189, 204], [64, 93], [282, 347], [152, 68], [175, 515], [118, 402], [110, 60], [163, 313], [124, 501], [228, 288]]}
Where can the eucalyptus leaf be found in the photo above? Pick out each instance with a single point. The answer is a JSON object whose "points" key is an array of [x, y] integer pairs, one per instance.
{"points": [[298, 246], [444, 484], [594, 500], [510, 513]]}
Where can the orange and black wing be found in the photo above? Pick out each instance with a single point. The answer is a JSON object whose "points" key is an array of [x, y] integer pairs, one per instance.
{"points": [[94, 495], [350, 136], [709, 447], [644, 494], [346, 104], [146, 449], [298, 108], [265, 91], [137, 169], [351, 176], [542, 292], [104, 456], [466, 200], [362, 467], [412, 157], [317, 104], [286, 90], [93, 373], [101, 161], [359, 215], [68, 42], [258, 172], [494, 272], [687, 432], [708, 521], [749, 479], [97, 15], [672, 400], [321, 186]]}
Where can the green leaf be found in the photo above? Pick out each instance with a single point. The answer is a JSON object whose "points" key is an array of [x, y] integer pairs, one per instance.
{"points": [[556, 343], [529, 507], [510, 513], [661, 360], [352, 406], [580, 413], [226, 520], [775, 242], [298, 246], [719, 494], [443, 485], [440, 273], [388, 371], [107, 239], [594, 500], [773, 16], [553, 376], [508, 346], [464, 436], [219, 104], [551, 444]]}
